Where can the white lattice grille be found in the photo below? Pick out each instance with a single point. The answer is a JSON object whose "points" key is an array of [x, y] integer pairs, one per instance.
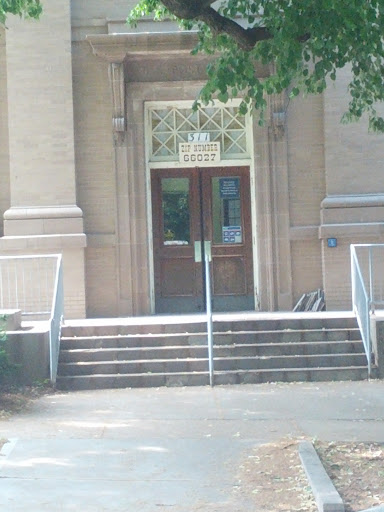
{"points": [[171, 125]]}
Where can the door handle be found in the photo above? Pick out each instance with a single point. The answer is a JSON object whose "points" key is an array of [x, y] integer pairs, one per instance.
{"points": [[198, 258], [208, 249]]}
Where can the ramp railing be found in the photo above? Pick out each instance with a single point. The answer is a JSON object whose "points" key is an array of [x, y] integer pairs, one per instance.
{"points": [[34, 284], [367, 265], [361, 306]]}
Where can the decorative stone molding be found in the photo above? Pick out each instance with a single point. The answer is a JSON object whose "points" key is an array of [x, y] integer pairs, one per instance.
{"points": [[353, 201], [116, 47], [116, 76], [39, 212], [278, 114], [43, 220]]}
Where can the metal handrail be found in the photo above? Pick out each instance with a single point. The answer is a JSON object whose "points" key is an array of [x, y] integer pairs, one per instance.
{"points": [[56, 320], [361, 304], [34, 285], [209, 317]]}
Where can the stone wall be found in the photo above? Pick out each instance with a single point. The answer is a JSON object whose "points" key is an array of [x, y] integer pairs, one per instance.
{"points": [[4, 142]]}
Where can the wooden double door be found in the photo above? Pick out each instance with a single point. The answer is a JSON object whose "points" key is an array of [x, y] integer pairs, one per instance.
{"points": [[192, 206]]}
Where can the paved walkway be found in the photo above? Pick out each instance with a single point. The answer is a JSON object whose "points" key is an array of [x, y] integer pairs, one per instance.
{"points": [[167, 449]]}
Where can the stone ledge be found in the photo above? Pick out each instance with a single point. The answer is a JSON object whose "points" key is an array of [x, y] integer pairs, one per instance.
{"points": [[42, 242], [43, 212], [353, 201], [326, 496], [379, 508], [361, 229]]}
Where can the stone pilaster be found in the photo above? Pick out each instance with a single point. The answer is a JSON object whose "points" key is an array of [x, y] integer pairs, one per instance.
{"points": [[280, 187], [43, 216]]}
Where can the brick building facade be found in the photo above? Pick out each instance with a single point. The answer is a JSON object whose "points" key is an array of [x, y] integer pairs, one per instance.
{"points": [[92, 117]]}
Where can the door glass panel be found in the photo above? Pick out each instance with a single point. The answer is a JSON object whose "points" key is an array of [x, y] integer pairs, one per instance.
{"points": [[226, 210], [176, 218]]}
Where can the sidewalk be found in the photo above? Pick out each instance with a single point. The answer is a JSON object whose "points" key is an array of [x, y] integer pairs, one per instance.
{"points": [[167, 449]]}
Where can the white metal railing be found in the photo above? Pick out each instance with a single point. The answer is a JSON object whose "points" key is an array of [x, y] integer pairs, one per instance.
{"points": [[367, 286], [34, 284], [27, 283], [361, 305], [56, 320]]}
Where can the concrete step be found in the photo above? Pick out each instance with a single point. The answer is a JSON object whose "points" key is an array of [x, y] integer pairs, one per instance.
{"points": [[202, 378], [198, 351], [249, 321], [200, 338], [201, 364], [248, 347]]}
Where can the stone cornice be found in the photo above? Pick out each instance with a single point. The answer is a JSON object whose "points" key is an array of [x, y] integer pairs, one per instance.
{"points": [[353, 201], [43, 212], [116, 47]]}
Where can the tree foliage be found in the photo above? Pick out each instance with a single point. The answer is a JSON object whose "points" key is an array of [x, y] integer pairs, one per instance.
{"points": [[24, 8], [303, 42]]}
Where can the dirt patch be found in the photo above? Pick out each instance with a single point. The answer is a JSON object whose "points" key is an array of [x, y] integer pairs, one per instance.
{"points": [[273, 475], [15, 400], [357, 471]]}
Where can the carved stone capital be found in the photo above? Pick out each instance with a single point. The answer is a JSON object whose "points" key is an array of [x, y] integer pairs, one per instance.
{"points": [[278, 114], [116, 76]]}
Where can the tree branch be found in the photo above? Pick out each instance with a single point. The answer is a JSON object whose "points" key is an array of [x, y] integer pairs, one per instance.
{"points": [[246, 38], [201, 10]]}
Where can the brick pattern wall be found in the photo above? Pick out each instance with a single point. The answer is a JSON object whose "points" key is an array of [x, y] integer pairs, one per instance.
{"points": [[40, 108], [307, 274], [4, 142], [306, 160], [95, 179], [112, 9], [101, 284], [354, 157]]}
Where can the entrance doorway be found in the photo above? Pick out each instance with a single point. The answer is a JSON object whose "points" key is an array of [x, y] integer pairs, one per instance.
{"points": [[192, 206]]}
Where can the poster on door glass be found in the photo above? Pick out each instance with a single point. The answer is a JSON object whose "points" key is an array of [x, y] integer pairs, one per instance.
{"points": [[229, 188], [232, 235]]}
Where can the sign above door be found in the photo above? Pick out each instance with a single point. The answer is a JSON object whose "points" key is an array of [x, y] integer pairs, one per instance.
{"points": [[197, 154]]}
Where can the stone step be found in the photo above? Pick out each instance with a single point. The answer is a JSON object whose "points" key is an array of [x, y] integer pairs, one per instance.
{"points": [[202, 378], [197, 323], [201, 364], [243, 350], [248, 347], [200, 338]]}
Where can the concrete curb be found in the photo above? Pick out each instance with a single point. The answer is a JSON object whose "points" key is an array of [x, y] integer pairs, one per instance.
{"points": [[378, 508], [326, 496]]}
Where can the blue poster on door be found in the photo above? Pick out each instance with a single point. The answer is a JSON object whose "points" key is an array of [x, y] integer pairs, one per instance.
{"points": [[229, 188], [232, 235]]}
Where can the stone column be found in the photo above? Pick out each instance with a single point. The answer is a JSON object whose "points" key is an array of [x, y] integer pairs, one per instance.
{"points": [[131, 255], [44, 217], [119, 127], [280, 194]]}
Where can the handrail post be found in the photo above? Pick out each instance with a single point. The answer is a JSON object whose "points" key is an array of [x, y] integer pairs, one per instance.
{"points": [[56, 319], [362, 301], [370, 276], [370, 307], [208, 298]]}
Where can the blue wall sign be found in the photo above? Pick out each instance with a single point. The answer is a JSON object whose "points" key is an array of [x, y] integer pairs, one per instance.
{"points": [[332, 242], [229, 188]]}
